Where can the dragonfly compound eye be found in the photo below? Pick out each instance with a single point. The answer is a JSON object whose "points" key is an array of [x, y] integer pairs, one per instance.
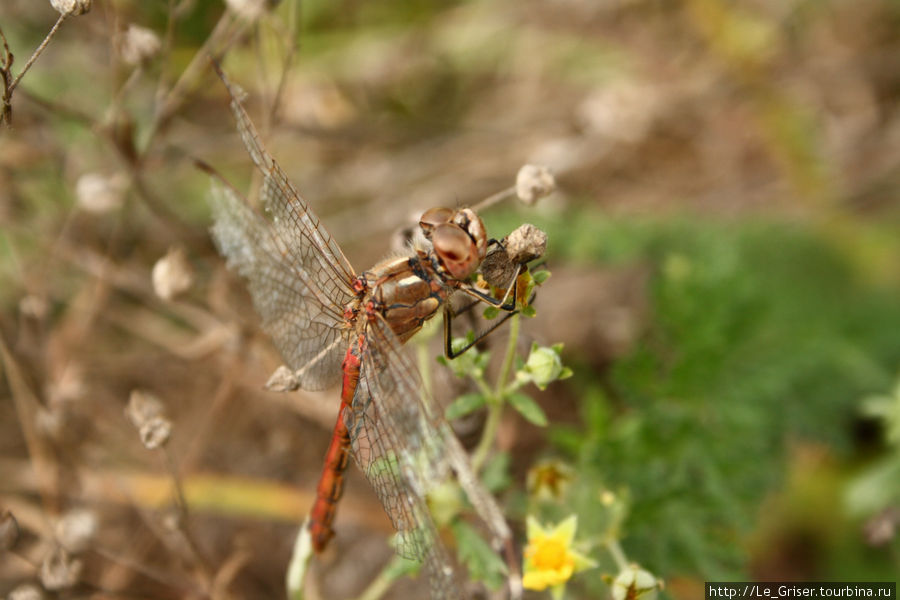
{"points": [[456, 250], [433, 217], [471, 223]]}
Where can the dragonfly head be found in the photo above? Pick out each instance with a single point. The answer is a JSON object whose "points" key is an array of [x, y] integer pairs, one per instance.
{"points": [[458, 237]]}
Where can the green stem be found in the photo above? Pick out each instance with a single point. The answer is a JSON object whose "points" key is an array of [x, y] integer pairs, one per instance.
{"points": [[612, 545], [495, 399]]}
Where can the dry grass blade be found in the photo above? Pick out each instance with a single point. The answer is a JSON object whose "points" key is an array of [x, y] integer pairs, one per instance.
{"points": [[28, 408]]}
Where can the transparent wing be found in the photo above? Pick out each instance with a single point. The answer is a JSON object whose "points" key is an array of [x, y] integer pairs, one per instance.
{"points": [[308, 332], [406, 450], [298, 276]]}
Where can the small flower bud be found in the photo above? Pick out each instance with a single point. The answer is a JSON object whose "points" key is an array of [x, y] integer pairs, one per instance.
{"points": [[634, 582], [543, 366], [76, 529], [59, 570], [172, 274], [98, 193], [138, 45], [71, 7], [533, 182]]}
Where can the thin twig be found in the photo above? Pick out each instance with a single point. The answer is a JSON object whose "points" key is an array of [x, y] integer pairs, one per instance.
{"points": [[37, 52]]}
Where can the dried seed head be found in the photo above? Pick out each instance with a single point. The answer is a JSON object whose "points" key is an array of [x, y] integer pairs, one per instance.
{"points": [[526, 243], [98, 193], [248, 9], [172, 274], [59, 570], [282, 380], [533, 182], [138, 44], [26, 591], [147, 413], [9, 531], [34, 307], [521, 246], [76, 529], [71, 7]]}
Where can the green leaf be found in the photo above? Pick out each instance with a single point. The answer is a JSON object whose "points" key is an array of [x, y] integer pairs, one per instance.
{"points": [[465, 404], [491, 312], [495, 475], [528, 408], [528, 311], [482, 562], [541, 276]]}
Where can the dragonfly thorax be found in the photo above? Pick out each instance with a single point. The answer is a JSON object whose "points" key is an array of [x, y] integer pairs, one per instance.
{"points": [[406, 291]]}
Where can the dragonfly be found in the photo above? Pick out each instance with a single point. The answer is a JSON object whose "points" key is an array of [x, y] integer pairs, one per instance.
{"points": [[333, 324]]}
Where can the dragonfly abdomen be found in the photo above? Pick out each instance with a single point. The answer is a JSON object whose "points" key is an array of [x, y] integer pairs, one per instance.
{"points": [[331, 483]]}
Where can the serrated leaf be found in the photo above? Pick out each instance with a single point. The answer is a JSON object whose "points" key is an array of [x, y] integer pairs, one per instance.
{"points": [[482, 562], [528, 408], [465, 404], [541, 276]]}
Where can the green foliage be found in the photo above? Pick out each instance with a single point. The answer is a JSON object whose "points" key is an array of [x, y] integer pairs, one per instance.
{"points": [[480, 559], [759, 335]]}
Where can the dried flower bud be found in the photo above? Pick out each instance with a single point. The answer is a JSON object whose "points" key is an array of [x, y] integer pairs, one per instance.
{"points": [[155, 432], [147, 413], [282, 380], [34, 307], [26, 591], [533, 182], [521, 246], [71, 7], [9, 531], [59, 570], [549, 480], [98, 193], [525, 243], [76, 529], [138, 44], [172, 274], [247, 9]]}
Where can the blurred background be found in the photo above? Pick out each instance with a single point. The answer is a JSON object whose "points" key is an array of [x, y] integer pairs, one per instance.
{"points": [[723, 242]]}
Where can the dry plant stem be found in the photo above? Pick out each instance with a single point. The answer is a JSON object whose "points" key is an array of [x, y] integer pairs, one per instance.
{"points": [[164, 577], [493, 199], [27, 406], [169, 102], [184, 520], [495, 399], [37, 53]]}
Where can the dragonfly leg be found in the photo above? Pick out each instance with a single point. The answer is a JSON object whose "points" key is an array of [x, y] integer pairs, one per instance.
{"points": [[449, 352]]}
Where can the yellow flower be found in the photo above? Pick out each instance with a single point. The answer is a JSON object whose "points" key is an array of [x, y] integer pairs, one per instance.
{"points": [[550, 560]]}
